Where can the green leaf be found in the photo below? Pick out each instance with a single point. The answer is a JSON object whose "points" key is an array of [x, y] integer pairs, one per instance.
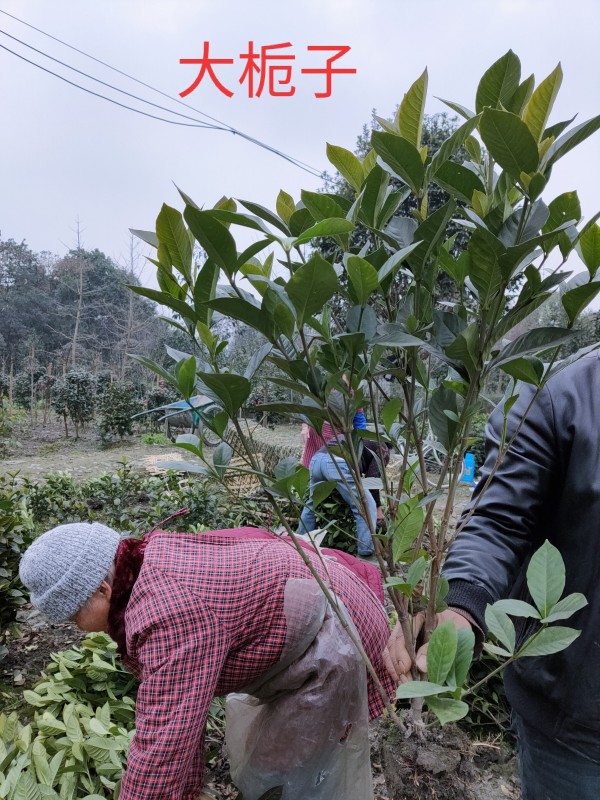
{"points": [[499, 83], [214, 238], [300, 221], [412, 108], [205, 288], [464, 655], [509, 141], [268, 216], [185, 311], [321, 491], [407, 526], [566, 143], [228, 217], [458, 181], [495, 650], [550, 640], [465, 348], [328, 227], [554, 131], [26, 788], [589, 248], [146, 236], [374, 194], [185, 372], [363, 279], [401, 156], [521, 97], [564, 208], [232, 390], [430, 233], [473, 149], [322, 206], [576, 300], [39, 757], [393, 263], [441, 652], [446, 709], [546, 577], [222, 458], [72, 726], [460, 110], [418, 689], [285, 206], [442, 399], [173, 235], [311, 286], [537, 184], [390, 411], [416, 571], [501, 626], [347, 164], [256, 361], [533, 342], [517, 608], [540, 105], [246, 312], [452, 145], [527, 369], [566, 607]]}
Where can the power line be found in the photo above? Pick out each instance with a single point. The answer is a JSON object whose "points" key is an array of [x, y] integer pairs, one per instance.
{"points": [[108, 85], [102, 96], [225, 126]]}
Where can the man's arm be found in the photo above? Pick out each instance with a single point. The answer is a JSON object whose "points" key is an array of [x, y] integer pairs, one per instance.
{"points": [[505, 527], [181, 654]]}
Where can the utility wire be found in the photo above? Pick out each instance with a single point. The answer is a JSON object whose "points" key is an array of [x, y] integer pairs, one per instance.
{"points": [[224, 126], [97, 94], [109, 85]]}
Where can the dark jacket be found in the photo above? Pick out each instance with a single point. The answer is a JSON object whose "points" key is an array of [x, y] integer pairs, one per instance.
{"points": [[548, 487]]}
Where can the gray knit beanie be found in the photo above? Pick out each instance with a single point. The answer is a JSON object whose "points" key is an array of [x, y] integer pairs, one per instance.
{"points": [[63, 567]]}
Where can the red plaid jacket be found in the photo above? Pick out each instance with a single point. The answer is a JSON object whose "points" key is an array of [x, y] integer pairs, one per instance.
{"points": [[206, 618]]}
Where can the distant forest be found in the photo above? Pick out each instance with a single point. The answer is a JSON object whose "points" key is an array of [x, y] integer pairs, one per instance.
{"points": [[75, 312]]}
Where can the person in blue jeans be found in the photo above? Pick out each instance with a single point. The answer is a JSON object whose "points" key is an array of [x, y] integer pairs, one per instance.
{"points": [[326, 467]]}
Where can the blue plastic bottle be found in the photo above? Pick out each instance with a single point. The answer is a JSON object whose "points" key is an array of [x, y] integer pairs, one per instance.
{"points": [[468, 468]]}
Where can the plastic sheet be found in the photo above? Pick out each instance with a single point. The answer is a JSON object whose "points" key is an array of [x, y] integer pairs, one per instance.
{"points": [[304, 726]]}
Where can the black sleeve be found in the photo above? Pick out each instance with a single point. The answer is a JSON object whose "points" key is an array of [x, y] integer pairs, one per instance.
{"points": [[505, 528]]}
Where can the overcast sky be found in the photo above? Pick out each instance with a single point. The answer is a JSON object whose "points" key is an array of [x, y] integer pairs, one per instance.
{"points": [[65, 154]]}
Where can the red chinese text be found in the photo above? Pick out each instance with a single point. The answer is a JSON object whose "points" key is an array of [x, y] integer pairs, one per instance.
{"points": [[267, 67]]}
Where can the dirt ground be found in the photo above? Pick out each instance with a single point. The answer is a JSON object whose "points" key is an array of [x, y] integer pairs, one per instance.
{"points": [[45, 449]]}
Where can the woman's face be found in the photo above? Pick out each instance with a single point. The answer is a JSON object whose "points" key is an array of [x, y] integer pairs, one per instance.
{"points": [[93, 617]]}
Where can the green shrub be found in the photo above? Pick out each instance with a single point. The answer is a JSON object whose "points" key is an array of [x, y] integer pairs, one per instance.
{"points": [[16, 533], [58, 499], [117, 406], [478, 434], [154, 438], [74, 396], [128, 500], [22, 390]]}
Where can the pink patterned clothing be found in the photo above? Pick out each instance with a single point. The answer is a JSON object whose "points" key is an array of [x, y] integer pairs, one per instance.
{"points": [[206, 618]]}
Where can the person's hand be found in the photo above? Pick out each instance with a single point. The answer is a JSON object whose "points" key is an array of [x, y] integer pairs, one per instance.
{"points": [[205, 796], [395, 656], [379, 513]]}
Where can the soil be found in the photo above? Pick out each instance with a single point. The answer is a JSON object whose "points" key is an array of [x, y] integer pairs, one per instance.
{"points": [[37, 452], [448, 765]]}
